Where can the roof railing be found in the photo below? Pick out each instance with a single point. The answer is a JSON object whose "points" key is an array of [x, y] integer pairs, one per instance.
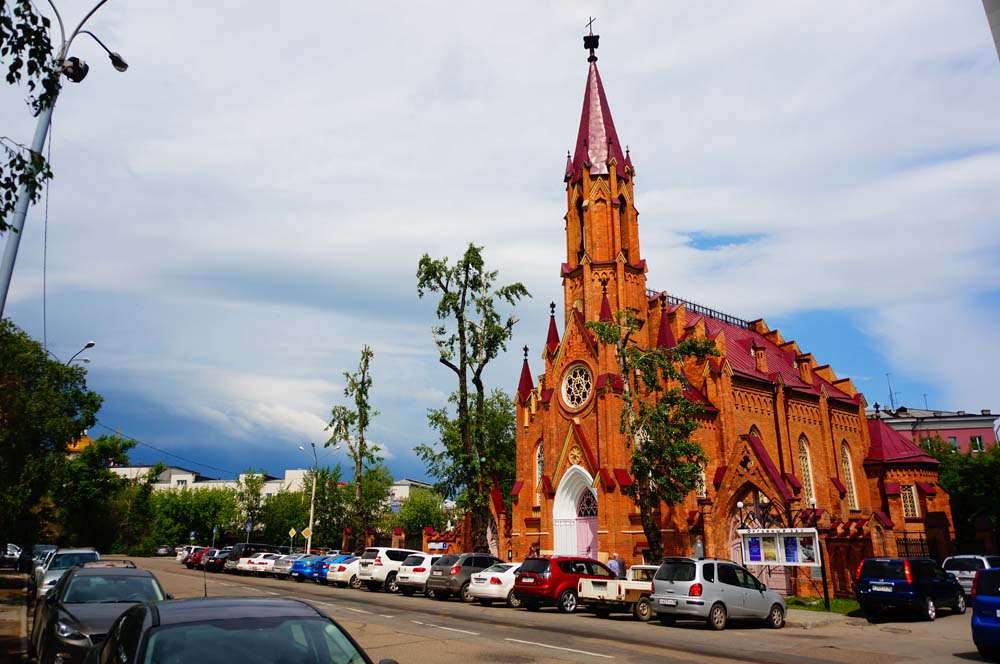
{"points": [[699, 309]]}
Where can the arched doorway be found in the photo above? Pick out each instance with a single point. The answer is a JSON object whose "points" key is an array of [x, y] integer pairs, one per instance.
{"points": [[758, 512], [574, 514]]}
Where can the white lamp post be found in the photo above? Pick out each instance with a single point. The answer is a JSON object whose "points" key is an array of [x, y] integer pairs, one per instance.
{"points": [[75, 70], [312, 500]]}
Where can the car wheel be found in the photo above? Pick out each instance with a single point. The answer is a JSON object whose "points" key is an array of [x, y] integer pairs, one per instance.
{"points": [[643, 610], [512, 600], [567, 601], [960, 605], [486, 602], [299, 579], [530, 605], [390, 584], [355, 582], [464, 593], [667, 619], [930, 610], [407, 592], [717, 616], [989, 654], [776, 617]]}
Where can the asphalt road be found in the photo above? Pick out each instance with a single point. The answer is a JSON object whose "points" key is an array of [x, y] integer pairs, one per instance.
{"points": [[416, 629]]}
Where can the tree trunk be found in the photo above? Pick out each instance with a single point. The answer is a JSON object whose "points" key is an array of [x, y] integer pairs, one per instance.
{"points": [[648, 502]]}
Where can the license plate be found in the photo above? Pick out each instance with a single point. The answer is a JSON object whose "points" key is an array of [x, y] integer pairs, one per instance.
{"points": [[527, 580], [437, 572], [998, 613], [667, 601], [479, 580], [881, 588]]}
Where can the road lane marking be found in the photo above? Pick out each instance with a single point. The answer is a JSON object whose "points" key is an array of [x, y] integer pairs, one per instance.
{"points": [[382, 615], [271, 592], [450, 629], [545, 645], [357, 610]]}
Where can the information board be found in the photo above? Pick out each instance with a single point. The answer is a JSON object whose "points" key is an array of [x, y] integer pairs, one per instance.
{"points": [[781, 546]]}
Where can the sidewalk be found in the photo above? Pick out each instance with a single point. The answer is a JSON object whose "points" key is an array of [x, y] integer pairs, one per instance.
{"points": [[812, 619], [13, 617]]}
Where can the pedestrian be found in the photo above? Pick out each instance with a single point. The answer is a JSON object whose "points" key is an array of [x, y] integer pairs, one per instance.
{"points": [[614, 565]]}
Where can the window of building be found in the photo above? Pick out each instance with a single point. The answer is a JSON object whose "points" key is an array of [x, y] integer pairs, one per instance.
{"points": [[182, 482], [976, 443], [953, 441], [847, 468], [539, 471], [911, 509], [805, 465]]}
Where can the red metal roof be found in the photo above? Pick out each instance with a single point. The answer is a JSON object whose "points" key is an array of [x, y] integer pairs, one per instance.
{"points": [[552, 341], [582, 437], [624, 479], [884, 519], [606, 315], [596, 141], [890, 447], [665, 335], [927, 489], [720, 473], [840, 485], [526, 384], [793, 482], [609, 482], [516, 489], [892, 488], [769, 467]]}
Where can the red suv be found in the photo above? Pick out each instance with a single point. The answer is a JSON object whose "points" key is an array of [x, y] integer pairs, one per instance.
{"points": [[194, 560], [547, 580]]}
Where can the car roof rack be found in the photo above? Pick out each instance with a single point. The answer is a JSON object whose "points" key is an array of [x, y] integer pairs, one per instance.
{"points": [[128, 564]]}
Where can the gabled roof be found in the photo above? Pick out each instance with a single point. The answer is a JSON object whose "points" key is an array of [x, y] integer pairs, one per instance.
{"points": [[888, 446], [596, 141]]}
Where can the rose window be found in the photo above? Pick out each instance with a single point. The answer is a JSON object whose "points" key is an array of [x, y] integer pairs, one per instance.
{"points": [[577, 386]]}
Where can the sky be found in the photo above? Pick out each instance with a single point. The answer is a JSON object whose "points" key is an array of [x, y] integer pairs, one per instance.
{"points": [[234, 217]]}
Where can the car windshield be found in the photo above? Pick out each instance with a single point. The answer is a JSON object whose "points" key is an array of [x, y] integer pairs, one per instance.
{"points": [[676, 570], [242, 640], [535, 565], [500, 567], [964, 564], [117, 588], [883, 569], [67, 560]]}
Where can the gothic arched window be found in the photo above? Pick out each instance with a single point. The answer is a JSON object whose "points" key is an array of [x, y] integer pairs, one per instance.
{"points": [[848, 471], [539, 471], [587, 505], [805, 465]]}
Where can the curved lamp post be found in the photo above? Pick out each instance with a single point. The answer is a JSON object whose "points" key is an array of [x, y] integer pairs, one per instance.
{"points": [[75, 70], [89, 344]]}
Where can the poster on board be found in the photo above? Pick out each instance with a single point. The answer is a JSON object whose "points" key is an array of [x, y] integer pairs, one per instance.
{"points": [[781, 546]]}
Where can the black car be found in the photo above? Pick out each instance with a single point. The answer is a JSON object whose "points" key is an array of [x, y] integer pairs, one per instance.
{"points": [[918, 585], [225, 630], [215, 560], [77, 611]]}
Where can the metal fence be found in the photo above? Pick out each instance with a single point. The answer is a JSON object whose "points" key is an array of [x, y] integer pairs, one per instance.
{"points": [[912, 546]]}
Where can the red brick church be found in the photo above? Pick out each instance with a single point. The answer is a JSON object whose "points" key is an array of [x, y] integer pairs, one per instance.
{"points": [[785, 436]]}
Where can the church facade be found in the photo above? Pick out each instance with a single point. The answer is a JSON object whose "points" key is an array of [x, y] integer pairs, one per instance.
{"points": [[788, 441]]}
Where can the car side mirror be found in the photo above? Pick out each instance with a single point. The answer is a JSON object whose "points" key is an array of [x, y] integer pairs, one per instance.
{"points": [[168, 595]]}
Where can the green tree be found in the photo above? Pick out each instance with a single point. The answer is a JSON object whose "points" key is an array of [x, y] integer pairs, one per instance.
{"points": [[973, 490], [421, 508], [86, 489], [134, 512], [333, 508], [375, 483], [44, 406], [249, 499], [495, 425], [26, 51], [657, 419], [349, 426], [178, 512], [283, 511], [472, 334]]}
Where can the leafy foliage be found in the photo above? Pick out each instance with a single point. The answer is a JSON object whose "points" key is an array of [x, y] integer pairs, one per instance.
{"points": [[44, 406], [249, 501], [26, 50], [657, 419], [283, 511], [473, 334], [421, 508], [971, 482], [333, 507], [178, 512]]}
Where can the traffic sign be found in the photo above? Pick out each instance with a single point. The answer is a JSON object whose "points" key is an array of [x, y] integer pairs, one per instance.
{"points": [[248, 526], [307, 533], [293, 532]]}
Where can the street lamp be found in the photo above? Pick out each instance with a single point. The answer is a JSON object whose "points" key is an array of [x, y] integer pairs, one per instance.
{"points": [[89, 344], [75, 70], [312, 500]]}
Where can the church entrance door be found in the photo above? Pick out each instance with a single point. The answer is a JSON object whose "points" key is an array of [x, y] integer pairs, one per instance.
{"points": [[574, 514]]}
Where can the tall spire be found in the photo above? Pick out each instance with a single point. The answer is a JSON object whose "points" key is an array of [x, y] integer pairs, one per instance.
{"points": [[526, 384], [597, 141]]}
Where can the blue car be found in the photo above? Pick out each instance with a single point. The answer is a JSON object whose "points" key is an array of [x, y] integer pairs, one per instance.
{"points": [[915, 585], [302, 569], [986, 613], [322, 568]]}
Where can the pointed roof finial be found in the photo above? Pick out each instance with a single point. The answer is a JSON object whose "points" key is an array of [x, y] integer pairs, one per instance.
{"points": [[552, 340], [552, 309], [525, 352], [663, 301], [590, 40]]}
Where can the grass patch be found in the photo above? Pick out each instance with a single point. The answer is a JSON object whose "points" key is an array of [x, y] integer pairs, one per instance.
{"points": [[837, 605]]}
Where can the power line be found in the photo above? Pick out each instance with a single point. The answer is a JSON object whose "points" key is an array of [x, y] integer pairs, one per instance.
{"points": [[176, 456]]}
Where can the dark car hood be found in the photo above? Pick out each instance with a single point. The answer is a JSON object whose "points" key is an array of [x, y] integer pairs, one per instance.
{"points": [[96, 618]]}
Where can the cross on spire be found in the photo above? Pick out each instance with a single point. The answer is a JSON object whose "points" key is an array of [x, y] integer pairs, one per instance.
{"points": [[590, 40]]}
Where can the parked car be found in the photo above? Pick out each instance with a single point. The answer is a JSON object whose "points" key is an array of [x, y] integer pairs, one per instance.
{"points": [[164, 550], [985, 596], [259, 564], [965, 566], [380, 565], [11, 554], [552, 580], [496, 584], [452, 574], [183, 552], [227, 629], [628, 595], [322, 568], [283, 565], [914, 584], [346, 573], [713, 590], [194, 558], [56, 565], [215, 560], [302, 568], [79, 609], [413, 573]]}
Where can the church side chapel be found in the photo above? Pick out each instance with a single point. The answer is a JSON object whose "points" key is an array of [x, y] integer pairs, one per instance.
{"points": [[788, 441]]}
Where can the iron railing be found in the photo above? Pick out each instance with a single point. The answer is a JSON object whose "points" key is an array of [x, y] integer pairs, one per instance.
{"points": [[700, 309]]}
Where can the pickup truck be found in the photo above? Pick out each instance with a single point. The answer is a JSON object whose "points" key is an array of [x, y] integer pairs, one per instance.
{"points": [[628, 595]]}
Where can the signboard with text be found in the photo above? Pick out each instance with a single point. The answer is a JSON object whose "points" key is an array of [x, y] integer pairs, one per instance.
{"points": [[781, 546]]}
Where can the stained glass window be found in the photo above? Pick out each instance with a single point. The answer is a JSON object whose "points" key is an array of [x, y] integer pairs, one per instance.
{"points": [[909, 495], [805, 465], [539, 471], [847, 470], [587, 505], [577, 386]]}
